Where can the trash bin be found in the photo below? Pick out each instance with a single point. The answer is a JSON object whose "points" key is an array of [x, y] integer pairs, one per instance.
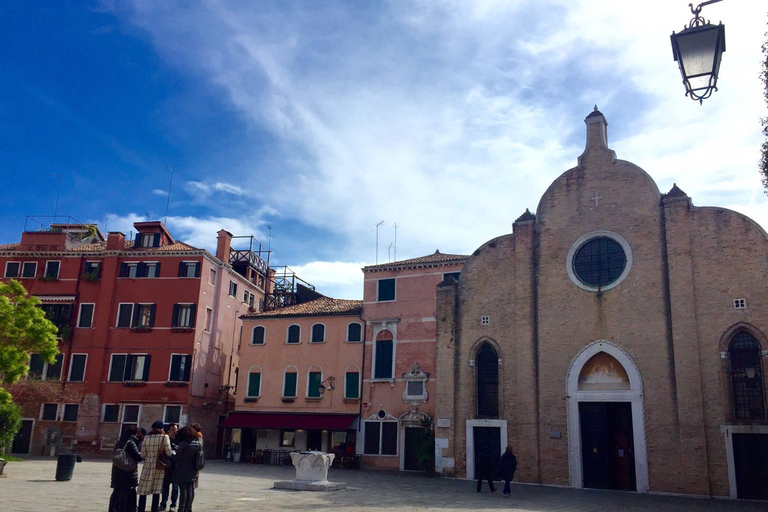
{"points": [[65, 466]]}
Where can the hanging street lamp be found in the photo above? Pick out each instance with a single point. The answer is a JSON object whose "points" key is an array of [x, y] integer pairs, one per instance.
{"points": [[698, 49]]}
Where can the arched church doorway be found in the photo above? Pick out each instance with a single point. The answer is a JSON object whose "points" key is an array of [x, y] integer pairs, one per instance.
{"points": [[605, 423]]}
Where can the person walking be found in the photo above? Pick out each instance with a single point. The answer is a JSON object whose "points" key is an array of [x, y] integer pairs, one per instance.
{"points": [[123, 483], [185, 471], [484, 471], [507, 467], [154, 446], [168, 487]]}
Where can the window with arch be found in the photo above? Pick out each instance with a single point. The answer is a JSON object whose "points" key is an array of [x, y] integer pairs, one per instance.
{"points": [[747, 383], [290, 382], [318, 334], [254, 383], [293, 335], [383, 356], [354, 332], [352, 383], [487, 381], [314, 379], [257, 335]]}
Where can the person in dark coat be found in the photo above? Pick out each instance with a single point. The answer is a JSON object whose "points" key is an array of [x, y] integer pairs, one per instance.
{"points": [[507, 468], [484, 470], [124, 483], [170, 488], [185, 471]]}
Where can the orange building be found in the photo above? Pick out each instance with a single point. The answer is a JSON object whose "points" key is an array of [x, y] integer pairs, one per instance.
{"points": [[299, 380], [148, 330]]}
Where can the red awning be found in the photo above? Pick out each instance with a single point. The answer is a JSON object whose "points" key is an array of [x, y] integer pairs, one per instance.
{"points": [[289, 421]]}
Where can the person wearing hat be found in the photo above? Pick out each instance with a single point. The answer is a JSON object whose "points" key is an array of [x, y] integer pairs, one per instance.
{"points": [[155, 449]]}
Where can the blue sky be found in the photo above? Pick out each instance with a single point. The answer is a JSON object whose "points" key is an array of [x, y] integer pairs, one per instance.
{"points": [[321, 119]]}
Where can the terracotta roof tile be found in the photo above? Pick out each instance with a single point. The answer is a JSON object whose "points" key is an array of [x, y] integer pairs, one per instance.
{"points": [[318, 307], [9, 247], [430, 259]]}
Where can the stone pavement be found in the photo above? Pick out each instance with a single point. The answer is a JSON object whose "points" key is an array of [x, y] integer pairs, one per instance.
{"points": [[224, 487]]}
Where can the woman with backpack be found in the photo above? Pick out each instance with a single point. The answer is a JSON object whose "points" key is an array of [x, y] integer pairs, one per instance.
{"points": [[185, 471], [507, 467], [124, 480]]}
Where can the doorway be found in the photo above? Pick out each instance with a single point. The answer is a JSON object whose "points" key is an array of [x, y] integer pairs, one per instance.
{"points": [[750, 456], [315, 440], [607, 443], [411, 438], [487, 443], [23, 438]]}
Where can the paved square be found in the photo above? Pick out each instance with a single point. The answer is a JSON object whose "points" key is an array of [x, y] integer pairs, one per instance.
{"points": [[30, 487]]}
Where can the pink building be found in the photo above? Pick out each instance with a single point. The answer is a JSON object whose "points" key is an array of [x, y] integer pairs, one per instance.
{"points": [[299, 380], [400, 371]]}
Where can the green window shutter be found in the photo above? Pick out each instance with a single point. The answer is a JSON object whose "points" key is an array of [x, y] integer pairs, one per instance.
{"points": [[315, 378], [156, 240], [145, 377], [186, 367], [254, 384], [182, 269], [352, 385], [289, 388]]}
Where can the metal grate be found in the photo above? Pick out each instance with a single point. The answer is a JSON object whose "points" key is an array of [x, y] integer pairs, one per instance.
{"points": [[599, 262], [747, 378], [487, 367]]}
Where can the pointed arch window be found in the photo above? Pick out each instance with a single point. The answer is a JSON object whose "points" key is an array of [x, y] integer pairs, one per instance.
{"points": [[747, 383], [487, 382]]}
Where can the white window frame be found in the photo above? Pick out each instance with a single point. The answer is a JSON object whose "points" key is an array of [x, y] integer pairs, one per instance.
{"points": [[287, 335], [104, 411], [130, 316], [123, 408], [170, 366], [24, 264], [362, 331], [188, 306], [109, 372], [134, 355], [264, 338], [381, 438], [42, 409], [208, 327], [98, 264], [147, 237], [63, 408], [80, 314], [47, 365], [165, 414], [290, 369], [18, 273], [394, 355], [133, 269], [255, 369], [58, 270], [311, 333], [85, 366], [378, 281], [232, 284], [212, 276]]}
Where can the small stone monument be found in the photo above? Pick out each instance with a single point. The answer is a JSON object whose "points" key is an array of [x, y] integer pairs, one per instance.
{"points": [[311, 473]]}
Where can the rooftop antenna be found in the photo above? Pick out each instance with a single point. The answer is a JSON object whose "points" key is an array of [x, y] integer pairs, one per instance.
{"points": [[269, 239], [168, 200], [106, 223], [56, 204], [389, 252], [395, 226], [377, 241]]}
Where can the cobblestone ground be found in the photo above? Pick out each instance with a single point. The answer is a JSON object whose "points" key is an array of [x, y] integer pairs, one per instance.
{"points": [[30, 487]]}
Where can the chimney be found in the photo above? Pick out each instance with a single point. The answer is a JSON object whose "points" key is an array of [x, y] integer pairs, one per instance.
{"points": [[222, 248], [115, 241]]}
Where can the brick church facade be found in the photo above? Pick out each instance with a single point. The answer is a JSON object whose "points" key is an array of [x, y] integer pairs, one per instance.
{"points": [[616, 339]]}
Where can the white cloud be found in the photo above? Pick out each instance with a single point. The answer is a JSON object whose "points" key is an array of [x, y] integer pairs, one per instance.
{"points": [[452, 118], [336, 279], [159, 192]]}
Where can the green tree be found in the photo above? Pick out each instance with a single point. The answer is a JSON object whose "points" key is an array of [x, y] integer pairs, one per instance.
{"points": [[10, 419], [23, 329], [764, 147]]}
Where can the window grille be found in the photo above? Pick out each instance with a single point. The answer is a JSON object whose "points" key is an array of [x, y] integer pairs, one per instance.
{"points": [[747, 378], [599, 262], [487, 369]]}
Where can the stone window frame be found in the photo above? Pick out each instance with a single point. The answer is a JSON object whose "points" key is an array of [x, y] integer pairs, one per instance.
{"points": [[600, 233]]}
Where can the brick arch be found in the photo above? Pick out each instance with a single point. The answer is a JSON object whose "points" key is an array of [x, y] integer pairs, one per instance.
{"points": [[733, 330], [479, 343]]}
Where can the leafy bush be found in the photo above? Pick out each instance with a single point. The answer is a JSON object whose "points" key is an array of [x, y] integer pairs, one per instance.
{"points": [[10, 420]]}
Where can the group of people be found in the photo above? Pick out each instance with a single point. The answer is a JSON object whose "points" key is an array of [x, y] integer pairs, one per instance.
{"points": [[171, 460], [507, 467]]}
